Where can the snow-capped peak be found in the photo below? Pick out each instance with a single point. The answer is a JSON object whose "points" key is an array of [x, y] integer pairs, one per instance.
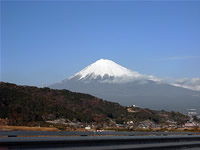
{"points": [[106, 67], [109, 69]]}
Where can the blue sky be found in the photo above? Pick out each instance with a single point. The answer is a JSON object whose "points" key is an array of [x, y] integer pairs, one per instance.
{"points": [[48, 41]]}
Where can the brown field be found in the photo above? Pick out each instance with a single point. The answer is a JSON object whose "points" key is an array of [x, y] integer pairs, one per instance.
{"points": [[25, 128]]}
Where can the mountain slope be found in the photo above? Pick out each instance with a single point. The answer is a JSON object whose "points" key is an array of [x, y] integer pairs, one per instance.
{"points": [[141, 90]]}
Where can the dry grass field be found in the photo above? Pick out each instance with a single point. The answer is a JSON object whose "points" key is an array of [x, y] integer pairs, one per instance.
{"points": [[25, 128]]}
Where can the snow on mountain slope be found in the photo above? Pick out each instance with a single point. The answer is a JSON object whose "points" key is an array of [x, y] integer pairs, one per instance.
{"points": [[107, 69]]}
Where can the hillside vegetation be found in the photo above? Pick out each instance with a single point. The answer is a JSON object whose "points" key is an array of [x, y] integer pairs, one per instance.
{"points": [[26, 105]]}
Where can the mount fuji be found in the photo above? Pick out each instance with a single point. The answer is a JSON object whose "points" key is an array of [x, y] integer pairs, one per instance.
{"points": [[105, 70], [111, 81]]}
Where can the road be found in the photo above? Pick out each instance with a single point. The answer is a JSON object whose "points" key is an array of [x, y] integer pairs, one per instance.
{"points": [[101, 142]]}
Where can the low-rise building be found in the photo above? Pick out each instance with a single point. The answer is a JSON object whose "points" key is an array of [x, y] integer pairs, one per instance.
{"points": [[191, 124]]}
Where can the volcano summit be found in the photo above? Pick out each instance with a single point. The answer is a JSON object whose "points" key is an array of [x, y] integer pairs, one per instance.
{"points": [[108, 71]]}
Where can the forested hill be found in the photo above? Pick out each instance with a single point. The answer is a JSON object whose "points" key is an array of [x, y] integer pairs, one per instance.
{"points": [[24, 105]]}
